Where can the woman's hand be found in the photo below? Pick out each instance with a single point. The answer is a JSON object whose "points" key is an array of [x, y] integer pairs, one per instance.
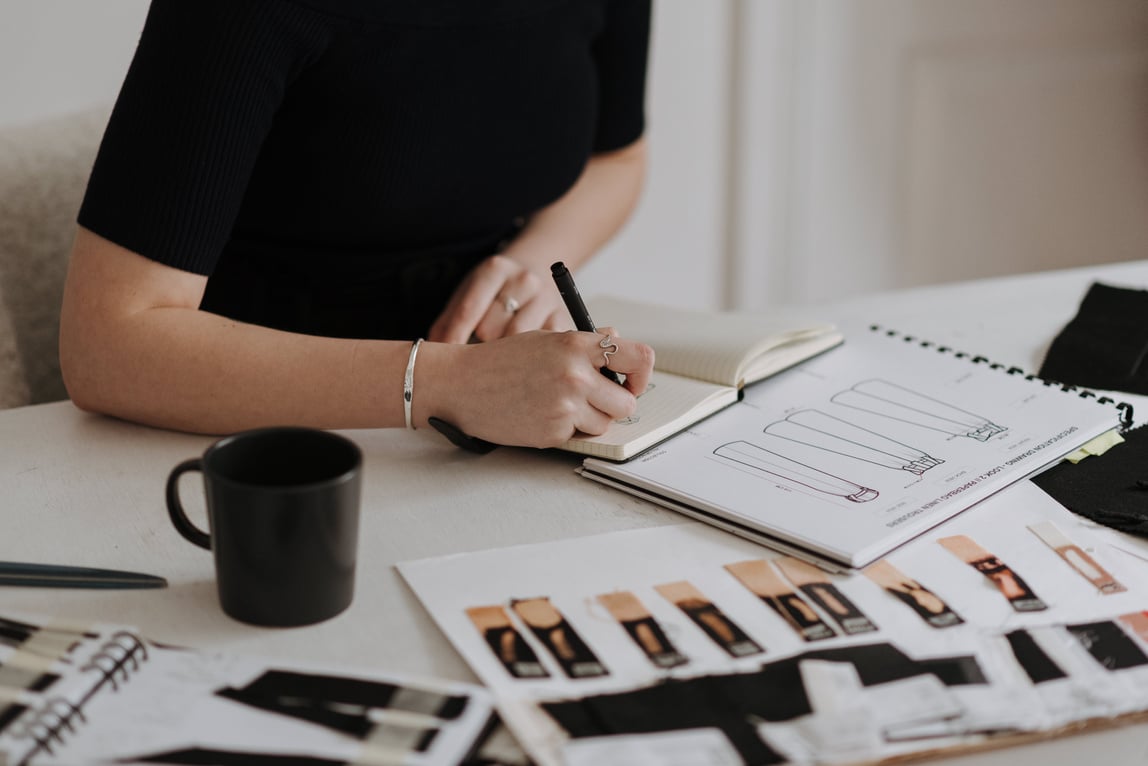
{"points": [[512, 292], [536, 389], [500, 297]]}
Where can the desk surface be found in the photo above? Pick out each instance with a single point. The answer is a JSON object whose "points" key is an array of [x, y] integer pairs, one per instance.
{"points": [[88, 490]]}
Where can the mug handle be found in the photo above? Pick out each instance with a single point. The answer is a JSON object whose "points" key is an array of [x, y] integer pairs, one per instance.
{"points": [[175, 510]]}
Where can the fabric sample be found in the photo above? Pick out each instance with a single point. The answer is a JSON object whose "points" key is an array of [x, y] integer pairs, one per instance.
{"points": [[1110, 489], [1106, 344]]}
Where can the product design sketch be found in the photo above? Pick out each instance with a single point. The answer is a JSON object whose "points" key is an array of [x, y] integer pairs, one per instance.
{"points": [[764, 460], [817, 429], [880, 397]]}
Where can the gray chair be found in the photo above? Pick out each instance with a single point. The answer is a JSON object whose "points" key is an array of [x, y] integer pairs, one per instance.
{"points": [[44, 168]]}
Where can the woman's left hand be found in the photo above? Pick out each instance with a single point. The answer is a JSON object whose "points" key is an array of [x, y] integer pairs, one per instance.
{"points": [[500, 297]]}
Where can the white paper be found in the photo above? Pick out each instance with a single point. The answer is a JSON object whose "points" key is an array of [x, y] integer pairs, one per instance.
{"points": [[898, 717], [865, 447], [692, 747], [119, 697]]}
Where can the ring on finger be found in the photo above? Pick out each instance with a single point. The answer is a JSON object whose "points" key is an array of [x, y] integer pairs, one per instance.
{"points": [[511, 305], [609, 348]]}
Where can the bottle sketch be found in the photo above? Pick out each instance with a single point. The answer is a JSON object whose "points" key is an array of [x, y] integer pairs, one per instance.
{"points": [[774, 464], [928, 606], [760, 579], [1020, 596], [641, 626], [706, 615], [814, 428], [889, 400], [816, 586], [1077, 558], [505, 641], [551, 627]]}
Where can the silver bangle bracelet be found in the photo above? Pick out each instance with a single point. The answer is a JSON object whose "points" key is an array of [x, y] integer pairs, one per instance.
{"points": [[409, 383]]}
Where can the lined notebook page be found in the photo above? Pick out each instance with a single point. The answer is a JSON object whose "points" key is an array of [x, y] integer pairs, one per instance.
{"points": [[710, 346], [670, 403]]}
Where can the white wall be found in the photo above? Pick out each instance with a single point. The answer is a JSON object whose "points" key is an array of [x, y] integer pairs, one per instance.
{"points": [[674, 248], [60, 55], [892, 143]]}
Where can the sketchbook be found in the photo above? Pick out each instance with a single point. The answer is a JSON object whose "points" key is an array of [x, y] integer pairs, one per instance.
{"points": [[104, 694], [848, 455], [1015, 622], [703, 360]]}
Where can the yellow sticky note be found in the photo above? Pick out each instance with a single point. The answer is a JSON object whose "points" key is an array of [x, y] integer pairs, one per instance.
{"points": [[1097, 446]]}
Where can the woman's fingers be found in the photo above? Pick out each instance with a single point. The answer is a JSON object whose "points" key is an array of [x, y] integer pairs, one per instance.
{"points": [[500, 297], [515, 308], [534, 389], [630, 358], [607, 400]]}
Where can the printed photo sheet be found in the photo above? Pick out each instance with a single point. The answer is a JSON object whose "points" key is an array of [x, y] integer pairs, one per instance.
{"points": [[858, 450], [102, 694], [685, 644]]}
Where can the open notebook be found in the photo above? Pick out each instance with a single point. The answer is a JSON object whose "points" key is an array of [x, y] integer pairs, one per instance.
{"points": [[703, 360], [846, 456]]}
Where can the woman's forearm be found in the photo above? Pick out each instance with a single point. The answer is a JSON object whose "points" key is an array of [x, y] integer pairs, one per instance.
{"points": [[133, 344], [159, 360]]}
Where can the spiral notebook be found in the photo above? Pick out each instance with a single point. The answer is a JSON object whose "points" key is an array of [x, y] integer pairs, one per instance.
{"points": [[101, 694], [845, 457]]}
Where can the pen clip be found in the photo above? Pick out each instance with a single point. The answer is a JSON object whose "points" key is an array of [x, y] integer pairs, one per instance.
{"points": [[459, 439]]}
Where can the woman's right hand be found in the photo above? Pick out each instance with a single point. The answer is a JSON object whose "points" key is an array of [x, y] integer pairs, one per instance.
{"points": [[536, 389]]}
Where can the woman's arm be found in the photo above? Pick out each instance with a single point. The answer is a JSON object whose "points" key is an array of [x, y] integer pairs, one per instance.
{"points": [[571, 230], [133, 344]]}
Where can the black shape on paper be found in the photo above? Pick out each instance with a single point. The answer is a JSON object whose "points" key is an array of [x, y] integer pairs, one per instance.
{"points": [[1108, 644], [1038, 665], [734, 702]]}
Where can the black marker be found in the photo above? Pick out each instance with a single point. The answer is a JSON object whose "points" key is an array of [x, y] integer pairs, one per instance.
{"points": [[577, 308]]}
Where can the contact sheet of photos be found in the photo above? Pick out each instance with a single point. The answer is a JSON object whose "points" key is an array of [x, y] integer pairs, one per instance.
{"points": [[683, 642], [73, 694]]}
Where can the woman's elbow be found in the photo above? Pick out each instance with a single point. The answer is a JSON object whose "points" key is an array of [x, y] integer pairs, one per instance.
{"points": [[80, 379]]}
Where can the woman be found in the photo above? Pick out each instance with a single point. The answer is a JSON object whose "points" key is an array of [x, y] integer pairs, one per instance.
{"points": [[290, 192]]}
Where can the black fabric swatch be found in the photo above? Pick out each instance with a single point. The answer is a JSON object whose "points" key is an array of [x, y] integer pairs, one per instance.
{"points": [[1110, 489], [733, 702], [1106, 344]]}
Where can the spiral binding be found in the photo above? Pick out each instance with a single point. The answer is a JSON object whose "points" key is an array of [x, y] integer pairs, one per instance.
{"points": [[116, 659], [1124, 408], [120, 656]]}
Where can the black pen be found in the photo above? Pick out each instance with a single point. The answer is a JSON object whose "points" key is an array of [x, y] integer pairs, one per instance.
{"points": [[577, 308], [66, 576]]}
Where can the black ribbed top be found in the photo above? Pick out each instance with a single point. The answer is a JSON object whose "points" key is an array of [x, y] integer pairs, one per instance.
{"points": [[328, 144]]}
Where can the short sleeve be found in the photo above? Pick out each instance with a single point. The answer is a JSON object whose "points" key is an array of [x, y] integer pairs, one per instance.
{"points": [[199, 98], [621, 54]]}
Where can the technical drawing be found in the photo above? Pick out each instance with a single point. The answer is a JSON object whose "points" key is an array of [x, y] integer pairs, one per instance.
{"points": [[817, 429], [889, 400], [770, 462]]}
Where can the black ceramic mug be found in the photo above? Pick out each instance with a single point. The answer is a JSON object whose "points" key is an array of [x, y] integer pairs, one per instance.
{"points": [[283, 514]]}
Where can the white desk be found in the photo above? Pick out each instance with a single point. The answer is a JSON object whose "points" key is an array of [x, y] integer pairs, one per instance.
{"points": [[83, 489]]}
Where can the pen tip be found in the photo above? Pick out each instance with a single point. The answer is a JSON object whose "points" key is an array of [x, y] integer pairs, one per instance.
{"points": [[558, 267]]}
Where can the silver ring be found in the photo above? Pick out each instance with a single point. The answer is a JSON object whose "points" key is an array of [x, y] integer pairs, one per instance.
{"points": [[609, 348], [511, 305]]}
